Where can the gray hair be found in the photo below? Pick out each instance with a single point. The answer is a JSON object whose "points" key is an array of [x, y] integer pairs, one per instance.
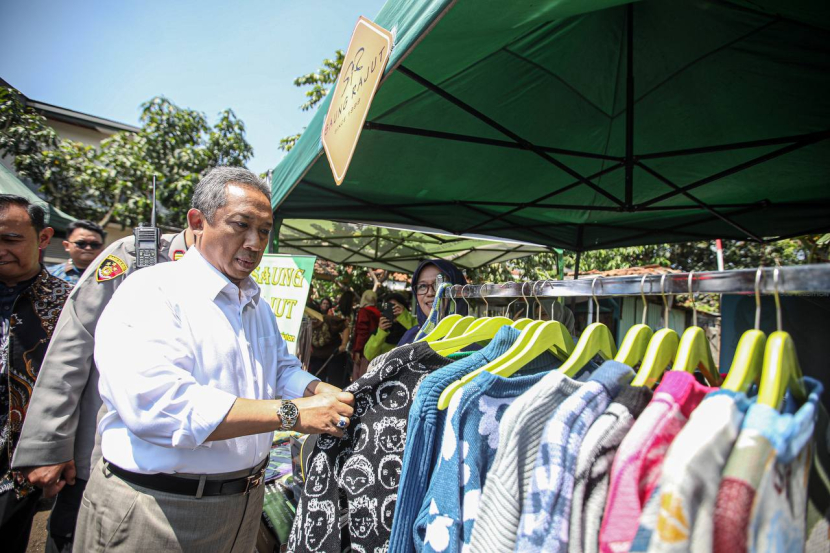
{"points": [[211, 192]]}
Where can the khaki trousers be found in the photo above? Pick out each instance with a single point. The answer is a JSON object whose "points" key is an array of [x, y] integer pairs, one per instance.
{"points": [[118, 516]]}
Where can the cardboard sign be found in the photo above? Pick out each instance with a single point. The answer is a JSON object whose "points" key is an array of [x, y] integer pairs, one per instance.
{"points": [[285, 281], [359, 78]]}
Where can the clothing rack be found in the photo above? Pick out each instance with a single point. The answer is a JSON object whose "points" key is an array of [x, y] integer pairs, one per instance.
{"points": [[800, 279]]}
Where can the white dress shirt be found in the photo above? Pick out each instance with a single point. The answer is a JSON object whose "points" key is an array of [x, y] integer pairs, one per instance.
{"points": [[175, 346]]}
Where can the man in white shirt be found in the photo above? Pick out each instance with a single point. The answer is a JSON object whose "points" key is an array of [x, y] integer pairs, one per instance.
{"points": [[192, 368]]}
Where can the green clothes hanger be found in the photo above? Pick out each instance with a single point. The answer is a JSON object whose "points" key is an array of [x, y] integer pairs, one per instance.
{"points": [[460, 327], [634, 345], [595, 340], [781, 370], [661, 350], [485, 331], [693, 352], [749, 356]]}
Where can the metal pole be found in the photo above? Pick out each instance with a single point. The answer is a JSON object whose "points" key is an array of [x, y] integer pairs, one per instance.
{"points": [[629, 108]]}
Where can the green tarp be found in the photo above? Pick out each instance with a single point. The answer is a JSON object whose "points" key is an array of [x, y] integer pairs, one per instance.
{"points": [[10, 184], [522, 120], [394, 249]]}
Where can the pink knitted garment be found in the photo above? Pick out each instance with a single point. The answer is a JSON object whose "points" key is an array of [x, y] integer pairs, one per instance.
{"points": [[637, 465]]}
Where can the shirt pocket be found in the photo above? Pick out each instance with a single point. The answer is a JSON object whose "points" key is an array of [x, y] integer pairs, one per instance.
{"points": [[267, 350]]}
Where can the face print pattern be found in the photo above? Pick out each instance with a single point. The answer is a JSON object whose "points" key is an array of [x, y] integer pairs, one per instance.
{"points": [[390, 435], [389, 471], [393, 396], [319, 476], [362, 516], [319, 523], [326, 441], [357, 474], [387, 509], [363, 401], [365, 466]]}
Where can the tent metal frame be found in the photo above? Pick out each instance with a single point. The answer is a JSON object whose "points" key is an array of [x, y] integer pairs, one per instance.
{"points": [[631, 160], [394, 241], [791, 280]]}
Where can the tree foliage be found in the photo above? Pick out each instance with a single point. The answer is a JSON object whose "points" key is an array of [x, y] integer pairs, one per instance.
{"points": [[320, 82], [112, 183]]}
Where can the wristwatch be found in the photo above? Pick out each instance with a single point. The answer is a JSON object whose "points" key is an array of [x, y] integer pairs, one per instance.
{"points": [[288, 413]]}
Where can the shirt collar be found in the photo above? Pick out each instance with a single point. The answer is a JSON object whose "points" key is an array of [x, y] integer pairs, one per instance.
{"points": [[212, 282]]}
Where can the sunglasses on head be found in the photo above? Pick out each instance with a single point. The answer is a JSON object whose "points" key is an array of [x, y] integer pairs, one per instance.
{"points": [[83, 244]]}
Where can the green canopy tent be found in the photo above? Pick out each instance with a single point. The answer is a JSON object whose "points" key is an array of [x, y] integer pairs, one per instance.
{"points": [[10, 184], [394, 249], [586, 124]]}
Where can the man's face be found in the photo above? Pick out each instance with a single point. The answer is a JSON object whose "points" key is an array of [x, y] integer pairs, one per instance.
{"points": [[237, 238], [425, 288], [83, 246], [20, 245]]}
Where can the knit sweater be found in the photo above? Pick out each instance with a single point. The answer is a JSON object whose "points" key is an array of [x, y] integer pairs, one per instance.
{"points": [[683, 511], [468, 447], [762, 500], [593, 466], [546, 512], [426, 427], [507, 483], [637, 466], [361, 469]]}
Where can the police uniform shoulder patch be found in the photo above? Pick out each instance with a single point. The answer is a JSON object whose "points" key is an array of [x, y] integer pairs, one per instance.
{"points": [[178, 254], [110, 268]]}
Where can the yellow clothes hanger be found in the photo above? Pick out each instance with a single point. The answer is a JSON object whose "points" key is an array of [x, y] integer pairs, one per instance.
{"points": [[460, 327], [694, 352], [521, 323], [749, 355], [661, 349], [781, 370], [634, 345], [442, 328], [596, 339], [484, 331]]}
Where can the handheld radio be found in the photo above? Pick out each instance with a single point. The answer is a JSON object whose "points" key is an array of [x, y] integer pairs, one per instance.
{"points": [[147, 239]]}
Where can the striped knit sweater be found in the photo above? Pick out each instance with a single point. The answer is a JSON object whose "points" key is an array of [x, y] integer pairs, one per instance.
{"points": [[593, 466], [520, 433], [546, 512]]}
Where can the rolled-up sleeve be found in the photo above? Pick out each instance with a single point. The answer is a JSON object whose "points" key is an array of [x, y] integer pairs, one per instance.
{"points": [[292, 380], [146, 370]]}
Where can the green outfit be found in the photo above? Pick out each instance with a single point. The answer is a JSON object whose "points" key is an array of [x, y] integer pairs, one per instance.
{"points": [[376, 344]]}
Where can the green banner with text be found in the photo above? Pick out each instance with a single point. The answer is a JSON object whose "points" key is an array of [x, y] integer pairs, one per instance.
{"points": [[285, 281]]}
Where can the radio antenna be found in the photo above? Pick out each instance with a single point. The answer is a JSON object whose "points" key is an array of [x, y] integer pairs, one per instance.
{"points": [[153, 213]]}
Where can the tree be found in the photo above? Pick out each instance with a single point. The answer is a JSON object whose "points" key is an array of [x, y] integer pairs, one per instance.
{"points": [[176, 145], [320, 82]]}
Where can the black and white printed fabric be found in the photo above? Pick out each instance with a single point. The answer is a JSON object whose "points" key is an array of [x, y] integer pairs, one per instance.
{"points": [[359, 473]]}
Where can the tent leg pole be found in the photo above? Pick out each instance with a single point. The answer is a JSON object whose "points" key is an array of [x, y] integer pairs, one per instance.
{"points": [[629, 108], [274, 243]]}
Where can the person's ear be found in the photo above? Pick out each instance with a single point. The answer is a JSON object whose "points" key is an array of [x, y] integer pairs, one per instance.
{"points": [[45, 237], [196, 221], [66, 245]]}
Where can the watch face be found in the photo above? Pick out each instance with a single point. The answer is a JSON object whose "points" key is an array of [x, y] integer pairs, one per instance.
{"points": [[290, 410]]}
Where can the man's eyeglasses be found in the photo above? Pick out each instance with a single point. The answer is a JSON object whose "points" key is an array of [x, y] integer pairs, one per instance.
{"points": [[83, 244], [424, 288]]}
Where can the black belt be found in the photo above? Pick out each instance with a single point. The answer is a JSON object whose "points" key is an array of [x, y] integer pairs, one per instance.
{"points": [[196, 487]]}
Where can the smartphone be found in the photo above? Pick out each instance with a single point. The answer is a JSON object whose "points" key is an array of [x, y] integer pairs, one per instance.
{"points": [[387, 310]]}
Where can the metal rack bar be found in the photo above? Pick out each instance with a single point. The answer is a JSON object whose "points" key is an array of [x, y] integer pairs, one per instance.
{"points": [[801, 279]]}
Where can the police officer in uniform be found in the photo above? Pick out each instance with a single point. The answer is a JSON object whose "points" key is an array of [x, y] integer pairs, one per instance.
{"points": [[57, 446]]}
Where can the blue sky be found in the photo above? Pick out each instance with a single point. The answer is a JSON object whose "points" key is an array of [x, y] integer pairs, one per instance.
{"points": [[105, 57]]}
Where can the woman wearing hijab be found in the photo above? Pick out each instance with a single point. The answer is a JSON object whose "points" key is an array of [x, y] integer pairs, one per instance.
{"points": [[424, 286]]}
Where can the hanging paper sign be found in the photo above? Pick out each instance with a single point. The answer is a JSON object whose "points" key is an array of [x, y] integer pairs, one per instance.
{"points": [[357, 83], [285, 281]]}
